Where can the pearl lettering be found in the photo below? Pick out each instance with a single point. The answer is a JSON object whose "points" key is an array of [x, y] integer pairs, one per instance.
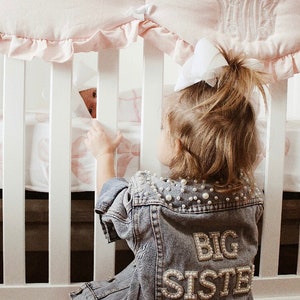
{"points": [[217, 255], [203, 247], [190, 276], [179, 291], [218, 248], [206, 284], [226, 273], [234, 246], [240, 278], [244, 276]]}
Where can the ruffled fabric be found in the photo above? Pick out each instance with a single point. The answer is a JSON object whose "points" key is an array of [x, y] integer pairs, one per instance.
{"points": [[62, 51], [166, 41], [264, 30]]}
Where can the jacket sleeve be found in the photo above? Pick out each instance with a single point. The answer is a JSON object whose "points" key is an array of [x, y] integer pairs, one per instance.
{"points": [[111, 209]]}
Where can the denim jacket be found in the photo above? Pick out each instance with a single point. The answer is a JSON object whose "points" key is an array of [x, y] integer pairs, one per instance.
{"points": [[189, 241]]}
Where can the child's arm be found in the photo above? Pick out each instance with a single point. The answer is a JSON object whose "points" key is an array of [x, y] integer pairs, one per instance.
{"points": [[102, 147]]}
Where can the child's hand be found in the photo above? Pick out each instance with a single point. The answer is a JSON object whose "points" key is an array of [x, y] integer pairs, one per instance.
{"points": [[99, 142]]}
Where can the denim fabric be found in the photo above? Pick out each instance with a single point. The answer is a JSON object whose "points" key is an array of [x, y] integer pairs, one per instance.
{"points": [[190, 241], [123, 286]]}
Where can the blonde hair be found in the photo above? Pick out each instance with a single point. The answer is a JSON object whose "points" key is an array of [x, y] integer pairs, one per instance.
{"points": [[216, 126]]}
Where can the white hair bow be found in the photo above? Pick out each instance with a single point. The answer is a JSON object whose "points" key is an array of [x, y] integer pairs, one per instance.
{"points": [[203, 65]]}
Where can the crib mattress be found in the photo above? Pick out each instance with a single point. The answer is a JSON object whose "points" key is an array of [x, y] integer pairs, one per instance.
{"points": [[129, 116]]}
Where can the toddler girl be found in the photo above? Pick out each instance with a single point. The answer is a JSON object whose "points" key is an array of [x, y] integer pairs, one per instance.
{"points": [[194, 234]]}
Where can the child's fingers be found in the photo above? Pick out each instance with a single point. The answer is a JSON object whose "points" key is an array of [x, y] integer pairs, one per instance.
{"points": [[96, 125], [118, 139], [96, 130], [98, 137]]}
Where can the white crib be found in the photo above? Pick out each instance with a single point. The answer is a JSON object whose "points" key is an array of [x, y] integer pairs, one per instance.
{"points": [[267, 285]]}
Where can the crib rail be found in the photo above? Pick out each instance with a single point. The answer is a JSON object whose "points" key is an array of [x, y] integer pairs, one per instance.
{"points": [[13, 170], [151, 107], [108, 84], [267, 285], [59, 174], [274, 180]]}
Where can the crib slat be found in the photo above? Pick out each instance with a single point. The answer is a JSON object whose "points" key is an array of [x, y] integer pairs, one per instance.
{"points": [[293, 108], [284, 287], [273, 180], [107, 107], [59, 174], [151, 107], [14, 172], [108, 86]]}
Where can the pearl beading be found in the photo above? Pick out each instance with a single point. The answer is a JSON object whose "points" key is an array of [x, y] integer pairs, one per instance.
{"points": [[189, 196]]}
